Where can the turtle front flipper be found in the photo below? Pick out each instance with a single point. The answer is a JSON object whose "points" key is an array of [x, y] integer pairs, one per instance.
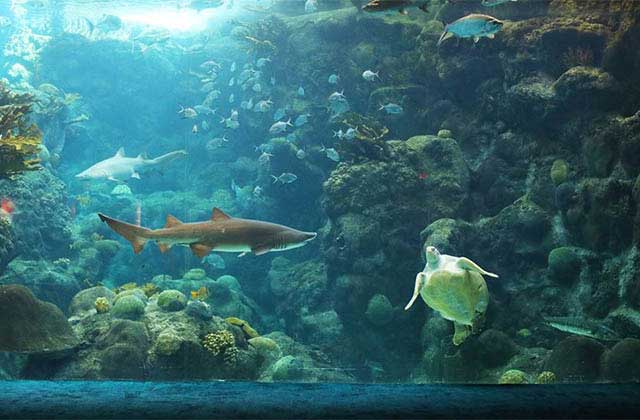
{"points": [[420, 281], [466, 264]]}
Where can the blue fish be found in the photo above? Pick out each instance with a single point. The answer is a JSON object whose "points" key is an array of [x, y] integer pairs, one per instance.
{"points": [[473, 26]]}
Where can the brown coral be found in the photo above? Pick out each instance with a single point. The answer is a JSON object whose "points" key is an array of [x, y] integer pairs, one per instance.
{"points": [[218, 342]]}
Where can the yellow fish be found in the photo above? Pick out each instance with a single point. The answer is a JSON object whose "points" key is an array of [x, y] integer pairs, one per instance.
{"points": [[200, 294]]}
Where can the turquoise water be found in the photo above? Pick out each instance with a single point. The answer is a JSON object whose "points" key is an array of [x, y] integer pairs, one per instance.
{"points": [[254, 190]]}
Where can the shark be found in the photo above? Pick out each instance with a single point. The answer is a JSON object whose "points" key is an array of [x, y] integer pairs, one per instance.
{"points": [[221, 233], [119, 167]]}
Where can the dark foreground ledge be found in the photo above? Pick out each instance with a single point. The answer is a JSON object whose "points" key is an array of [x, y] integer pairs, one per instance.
{"points": [[130, 400]]}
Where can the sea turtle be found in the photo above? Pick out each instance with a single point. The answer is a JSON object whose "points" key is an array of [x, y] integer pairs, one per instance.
{"points": [[455, 288]]}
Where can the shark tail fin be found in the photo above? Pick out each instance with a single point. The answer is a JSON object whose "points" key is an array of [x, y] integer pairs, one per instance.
{"points": [[132, 233], [160, 160]]}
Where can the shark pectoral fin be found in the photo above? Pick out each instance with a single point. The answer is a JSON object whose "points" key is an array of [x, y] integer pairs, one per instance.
{"points": [[135, 175], [164, 247], [200, 250], [217, 215], [420, 280], [172, 221], [260, 250], [466, 264]]}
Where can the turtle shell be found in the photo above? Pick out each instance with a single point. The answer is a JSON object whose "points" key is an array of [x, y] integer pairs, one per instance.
{"points": [[457, 296]]}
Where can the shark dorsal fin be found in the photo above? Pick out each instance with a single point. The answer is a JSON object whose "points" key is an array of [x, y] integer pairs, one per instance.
{"points": [[172, 221], [218, 215], [120, 152]]}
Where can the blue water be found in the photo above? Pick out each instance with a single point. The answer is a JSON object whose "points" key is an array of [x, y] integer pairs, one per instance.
{"points": [[519, 152]]}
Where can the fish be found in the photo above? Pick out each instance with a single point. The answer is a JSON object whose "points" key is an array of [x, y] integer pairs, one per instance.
{"points": [[473, 26], [280, 126], [187, 113], [262, 62], [232, 82], [301, 154], [334, 79], [351, 133], [583, 327], [233, 67], [331, 153], [257, 88], [263, 106], [232, 98], [215, 261], [216, 142], [370, 76], [339, 134], [285, 178], [300, 91], [257, 191], [301, 120], [264, 158], [337, 96], [194, 129], [208, 87], [202, 109], [221, 233], [200, 294], [493, 3], [205, 125], [310, 6], [399, 5], [120, 168], [7, 208], [391, 108], [279, 114], [248, 105], [210, 64]]}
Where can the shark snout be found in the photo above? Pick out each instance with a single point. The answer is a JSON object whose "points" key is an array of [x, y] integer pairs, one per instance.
{"points": [[309, 236]]}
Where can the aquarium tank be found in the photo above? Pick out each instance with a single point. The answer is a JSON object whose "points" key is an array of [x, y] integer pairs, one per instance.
{"points": [[320, 191]]}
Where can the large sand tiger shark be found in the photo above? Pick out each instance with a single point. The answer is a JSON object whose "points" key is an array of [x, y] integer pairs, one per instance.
{"points": [[221, 233], [119, 167]]}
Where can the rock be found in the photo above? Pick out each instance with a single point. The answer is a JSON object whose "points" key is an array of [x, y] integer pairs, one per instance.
{"points": [[267, 349], [124, 331], [128, 307], [379, 310], [531, 101], [230, 282], [622, 362], [48, 281], [7, 246], [122, 361], [587, 88], [168, 343], [513, 377], [172, 300], [576, 359], [288, 368], [493, 348], [564, 265], [322, 328], [199, 309], [85, 300], [28, 325]]}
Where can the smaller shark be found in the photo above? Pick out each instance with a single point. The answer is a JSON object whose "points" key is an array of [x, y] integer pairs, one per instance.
{"points": [[119, 167], [222, 233]]}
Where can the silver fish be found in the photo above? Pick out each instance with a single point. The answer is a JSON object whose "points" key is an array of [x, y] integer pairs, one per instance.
{"points": [[473, 26]]}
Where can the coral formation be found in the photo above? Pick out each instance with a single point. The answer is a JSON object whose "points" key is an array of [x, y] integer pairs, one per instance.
{"points": [[171, 300], [102, 305], [513, 377], [217, 343]]}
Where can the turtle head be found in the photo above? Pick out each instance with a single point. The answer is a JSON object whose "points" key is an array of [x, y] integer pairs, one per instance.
{"points": [[433, 256]]}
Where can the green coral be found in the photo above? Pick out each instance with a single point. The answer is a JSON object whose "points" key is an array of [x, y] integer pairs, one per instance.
{"points": [[102, 305], [218, 342], [379, 310], [546, 377], [172, 300], [513, 377], [559, 171], [564, 264], [20, 141], [128, 307]]}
